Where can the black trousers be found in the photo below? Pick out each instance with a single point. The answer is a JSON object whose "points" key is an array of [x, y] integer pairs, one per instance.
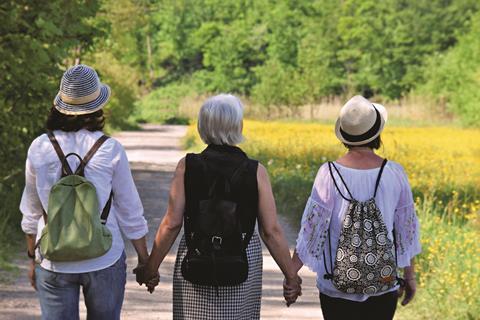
{"points": [[374, 308]]}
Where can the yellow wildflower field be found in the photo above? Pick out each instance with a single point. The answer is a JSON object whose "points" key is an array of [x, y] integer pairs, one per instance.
{"points": [[443, 165]]}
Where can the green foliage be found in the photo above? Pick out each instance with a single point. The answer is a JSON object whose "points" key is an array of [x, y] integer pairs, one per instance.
{"points": [[284, 52], [37, 39], [161, 105], [454, 77]]}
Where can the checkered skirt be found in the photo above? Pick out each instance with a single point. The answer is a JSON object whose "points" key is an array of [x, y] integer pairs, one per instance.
{"points": [[242, 302]]}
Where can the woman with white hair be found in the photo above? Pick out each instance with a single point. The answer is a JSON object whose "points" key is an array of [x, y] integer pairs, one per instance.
{"points": [[359, 224], [219, 195]]}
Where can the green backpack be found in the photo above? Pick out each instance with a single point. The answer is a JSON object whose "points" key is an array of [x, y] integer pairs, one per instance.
{"points": [[74, 229]]}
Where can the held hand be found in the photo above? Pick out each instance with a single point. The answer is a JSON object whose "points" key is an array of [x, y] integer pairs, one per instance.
{"points": [[292, 290], [139, 272], [153, 282], [31, 275], [142, 277], [409, 291]]}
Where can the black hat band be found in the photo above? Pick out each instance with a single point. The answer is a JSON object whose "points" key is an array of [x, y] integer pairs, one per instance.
{"points": [[367, 135]]}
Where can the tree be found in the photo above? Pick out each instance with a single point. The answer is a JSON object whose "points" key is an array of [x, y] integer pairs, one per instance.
{"points": [[38, 39]]}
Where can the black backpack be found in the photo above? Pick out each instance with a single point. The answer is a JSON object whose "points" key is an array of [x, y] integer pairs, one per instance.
{"points": [[216, 242]]}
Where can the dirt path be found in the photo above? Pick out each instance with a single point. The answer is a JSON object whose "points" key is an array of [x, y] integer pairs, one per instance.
{"points": [[153, 154]]}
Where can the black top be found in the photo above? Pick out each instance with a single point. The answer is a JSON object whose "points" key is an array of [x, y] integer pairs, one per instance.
{"points": [[221, 160]]}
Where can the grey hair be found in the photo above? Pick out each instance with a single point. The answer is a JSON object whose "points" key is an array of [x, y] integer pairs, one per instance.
{"points": [[220, 120]]}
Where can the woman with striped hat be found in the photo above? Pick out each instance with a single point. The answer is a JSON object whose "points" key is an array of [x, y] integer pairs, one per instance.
{"points": [[75, 126]]}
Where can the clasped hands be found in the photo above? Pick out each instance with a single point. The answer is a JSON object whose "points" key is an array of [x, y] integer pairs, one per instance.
{"points": [[292, 289], [143, 276]]}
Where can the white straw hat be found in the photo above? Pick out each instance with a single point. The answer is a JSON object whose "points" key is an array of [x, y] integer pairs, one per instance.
{"points": [[360, 121], [81, 91]]}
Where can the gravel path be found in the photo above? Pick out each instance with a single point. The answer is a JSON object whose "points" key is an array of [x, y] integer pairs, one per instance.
{"points": [[153, 154]]}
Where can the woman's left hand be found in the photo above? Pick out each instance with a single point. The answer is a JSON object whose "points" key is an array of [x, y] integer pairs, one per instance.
{"points": [[408, 291], [31, 274], [292, 289]]}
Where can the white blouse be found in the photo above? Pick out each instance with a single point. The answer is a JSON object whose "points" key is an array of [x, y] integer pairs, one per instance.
{"points": [[107, 170], [325, 209]]}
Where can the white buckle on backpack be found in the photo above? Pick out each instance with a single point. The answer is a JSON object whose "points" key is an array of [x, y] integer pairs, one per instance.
{"points": [[216, 238]]}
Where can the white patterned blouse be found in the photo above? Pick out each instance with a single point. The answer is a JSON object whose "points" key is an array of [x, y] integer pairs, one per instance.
{"points": [[325, 208]]}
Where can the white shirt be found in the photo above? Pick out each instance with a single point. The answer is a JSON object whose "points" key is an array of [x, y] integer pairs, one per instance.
{"points": [[326, 209], [107, 170]]}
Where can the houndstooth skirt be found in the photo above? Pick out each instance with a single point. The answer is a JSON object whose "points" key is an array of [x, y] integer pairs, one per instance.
{"points": [[242, 302]]}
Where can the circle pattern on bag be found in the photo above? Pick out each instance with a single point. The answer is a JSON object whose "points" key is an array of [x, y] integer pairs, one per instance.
{"points": [[370, 290], [381, 239], [356, 242], [353, 274], [353, 258], [386, 271], [340, 255], [370, 259], [367, 225], [347, 222]]}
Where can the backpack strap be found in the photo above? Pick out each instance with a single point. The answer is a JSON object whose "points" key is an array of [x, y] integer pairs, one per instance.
{"points": [[90, 154], [377, 183], [66, 170], [330, 165], [81, 168]]}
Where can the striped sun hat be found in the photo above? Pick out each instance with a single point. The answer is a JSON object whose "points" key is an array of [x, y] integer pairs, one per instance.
{"points": [[81, 91]]}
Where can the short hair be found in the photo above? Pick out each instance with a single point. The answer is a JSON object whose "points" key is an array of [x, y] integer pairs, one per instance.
{"points": [[220, 120], [374, 144], [71, 123]]}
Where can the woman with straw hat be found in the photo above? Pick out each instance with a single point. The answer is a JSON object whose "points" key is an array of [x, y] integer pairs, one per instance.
{"points": [[359, 224], [75, 126]]}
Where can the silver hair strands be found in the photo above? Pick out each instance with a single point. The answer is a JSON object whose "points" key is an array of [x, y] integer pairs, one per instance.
{"points": [[220, 120]]}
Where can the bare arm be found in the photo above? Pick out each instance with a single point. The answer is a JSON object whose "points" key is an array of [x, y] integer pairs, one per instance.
{"points": [[270, 230], [297, 263], [410, 284], [140, 246], [30, 239], [171, 224]]}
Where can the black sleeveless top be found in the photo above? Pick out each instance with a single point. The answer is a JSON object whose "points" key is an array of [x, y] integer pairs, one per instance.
{"points": [[224, 160]]}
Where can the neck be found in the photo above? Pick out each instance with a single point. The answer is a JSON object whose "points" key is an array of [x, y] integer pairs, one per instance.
{"points": [[361, 150]]}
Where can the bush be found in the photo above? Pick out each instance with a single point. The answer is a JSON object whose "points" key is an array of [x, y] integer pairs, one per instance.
{"points": [[161, 105], [36, 43], [454, 77]]}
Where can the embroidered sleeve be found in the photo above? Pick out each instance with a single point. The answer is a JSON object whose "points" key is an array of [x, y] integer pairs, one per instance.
{"points": [[407, 228], [407, 233], [313, 233]]}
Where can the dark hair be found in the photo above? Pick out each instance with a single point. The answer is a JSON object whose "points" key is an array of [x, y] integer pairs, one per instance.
{"points": [[374, 144], [59, 121]]}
